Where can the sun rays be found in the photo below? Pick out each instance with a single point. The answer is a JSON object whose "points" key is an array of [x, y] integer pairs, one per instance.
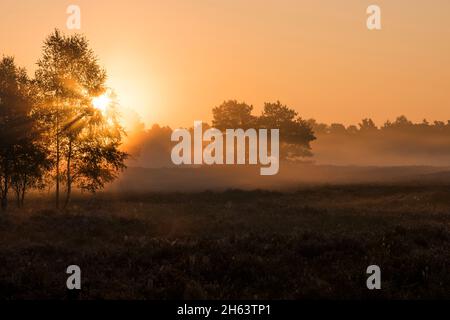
{"points": [[102, 102]]}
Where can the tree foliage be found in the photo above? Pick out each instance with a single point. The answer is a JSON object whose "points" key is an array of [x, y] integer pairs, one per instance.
{"points": [[22, 154], [295, 133], [232, 114], [84, 141], [49, 126]]}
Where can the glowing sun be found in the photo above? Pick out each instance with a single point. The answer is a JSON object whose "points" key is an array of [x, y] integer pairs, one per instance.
{"points": [[102, 102]]}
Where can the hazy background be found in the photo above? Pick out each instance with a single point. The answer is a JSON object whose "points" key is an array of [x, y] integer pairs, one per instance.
{"points": [[172, 61], [399, 151]]}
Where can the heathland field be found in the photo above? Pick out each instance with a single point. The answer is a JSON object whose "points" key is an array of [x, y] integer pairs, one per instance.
{"points": [[312, 242]]}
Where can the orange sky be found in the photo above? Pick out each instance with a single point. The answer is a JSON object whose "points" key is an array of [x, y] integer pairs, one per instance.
{"points": [[172, 61]]}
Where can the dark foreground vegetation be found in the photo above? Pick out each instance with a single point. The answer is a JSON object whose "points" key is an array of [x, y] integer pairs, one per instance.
{"points": [[312, 243]]}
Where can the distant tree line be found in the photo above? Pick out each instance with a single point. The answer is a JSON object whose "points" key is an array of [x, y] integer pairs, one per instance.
{"points": [[368, 126], [50, 132], [399, 142]]}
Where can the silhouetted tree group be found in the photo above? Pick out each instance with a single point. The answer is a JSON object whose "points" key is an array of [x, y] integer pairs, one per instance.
{"points": [[296, 134], [50, 132], [152, 147]]}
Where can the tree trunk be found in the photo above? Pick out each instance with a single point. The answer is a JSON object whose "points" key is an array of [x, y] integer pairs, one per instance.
{"points": [[69, 175], [4, 202], [57, 162], [22, 200], [5, 190], [18, 197]]}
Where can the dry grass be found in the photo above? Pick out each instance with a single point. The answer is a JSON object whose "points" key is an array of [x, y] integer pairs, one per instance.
{"points": [[312, 243]]}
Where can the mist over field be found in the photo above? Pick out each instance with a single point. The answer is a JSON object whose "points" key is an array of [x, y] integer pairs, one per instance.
{"points": [[397, 152], [291, 175], [106, 105]]}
